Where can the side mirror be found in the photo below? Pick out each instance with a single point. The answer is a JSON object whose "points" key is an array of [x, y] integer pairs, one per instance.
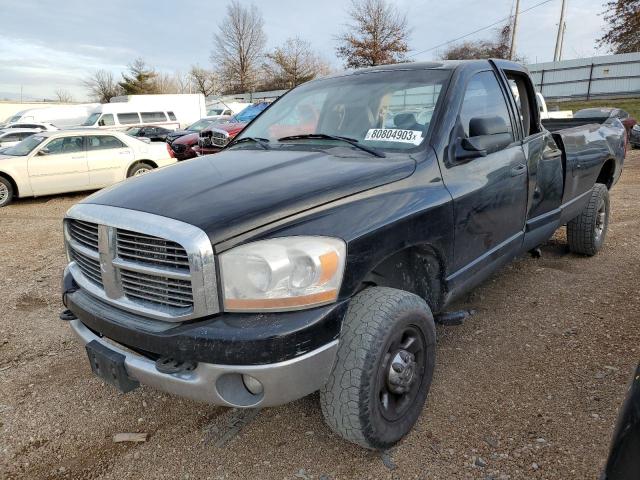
{"points": [[44, 151], [486, 135]]}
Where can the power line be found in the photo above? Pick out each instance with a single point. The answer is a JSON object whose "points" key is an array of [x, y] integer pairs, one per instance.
{"points": [[498, 22]]}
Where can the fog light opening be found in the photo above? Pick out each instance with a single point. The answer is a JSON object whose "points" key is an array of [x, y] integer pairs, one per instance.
{"points": [[252, 384]]}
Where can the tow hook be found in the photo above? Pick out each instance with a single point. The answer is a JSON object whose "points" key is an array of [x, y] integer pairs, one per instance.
{"points": [[453, 318], [67, 315], [171, 365]]}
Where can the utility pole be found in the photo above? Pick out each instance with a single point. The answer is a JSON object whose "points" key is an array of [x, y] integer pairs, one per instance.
{"points": [[558, 52], [564, 29], [512, 50]]}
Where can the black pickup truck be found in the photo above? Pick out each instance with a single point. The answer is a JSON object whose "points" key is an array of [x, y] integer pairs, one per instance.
{"points": [[314, 252]]}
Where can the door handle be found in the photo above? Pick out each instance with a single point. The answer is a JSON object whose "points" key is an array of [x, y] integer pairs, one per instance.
{"points": [[77, 158], [518, 170], [127, 152], [549, 154]]}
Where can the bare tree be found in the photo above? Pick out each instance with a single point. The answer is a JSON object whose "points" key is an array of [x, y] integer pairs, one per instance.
{"points": [[204, 81], [623, 33], [291, 64], [377, 36], [102, 86], [63, 96], [497, 47], [238, 46], [165, 83], [183, 82]]}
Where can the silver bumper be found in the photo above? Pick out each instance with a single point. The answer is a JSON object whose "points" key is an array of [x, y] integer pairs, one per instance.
{"points": [[222, 384]]}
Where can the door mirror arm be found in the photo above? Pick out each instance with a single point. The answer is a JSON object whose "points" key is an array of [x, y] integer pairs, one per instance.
{"points": [[468, 149]]}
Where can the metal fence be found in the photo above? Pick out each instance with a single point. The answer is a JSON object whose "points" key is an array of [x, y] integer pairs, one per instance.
{"points": [[586, 78]]}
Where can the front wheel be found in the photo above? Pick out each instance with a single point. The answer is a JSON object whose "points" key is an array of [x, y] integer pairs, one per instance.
{"points": [[586, 232], [138, 169], [6, 192], [384, 367]]}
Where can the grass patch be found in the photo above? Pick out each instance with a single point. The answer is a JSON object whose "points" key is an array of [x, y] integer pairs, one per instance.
{"points": [[631, 105]]}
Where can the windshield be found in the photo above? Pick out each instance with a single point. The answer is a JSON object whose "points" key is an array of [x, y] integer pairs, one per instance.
{"points": [[199, 125], [248, 113], [592, 113], [388, 110], [214, 111], [93, 118], [15, 118], [25, 147]]}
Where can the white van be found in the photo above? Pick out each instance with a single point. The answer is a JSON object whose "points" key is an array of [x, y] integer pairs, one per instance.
{"points": [[225, 108], [119, 116], [60, 115]]}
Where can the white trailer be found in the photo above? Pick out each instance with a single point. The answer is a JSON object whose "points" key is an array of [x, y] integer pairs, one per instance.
{"points": [[61, 115], [188, 107]]}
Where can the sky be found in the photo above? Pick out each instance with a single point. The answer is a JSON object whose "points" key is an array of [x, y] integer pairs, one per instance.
{"points": [[46, 46]]}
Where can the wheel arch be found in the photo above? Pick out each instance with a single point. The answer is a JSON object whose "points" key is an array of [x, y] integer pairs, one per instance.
{"points": [[419, 269], [14, 184], [151, 163], [607, 173]]}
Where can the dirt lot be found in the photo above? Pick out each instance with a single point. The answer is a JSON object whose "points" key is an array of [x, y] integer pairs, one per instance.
{"points": [[529, 387]]}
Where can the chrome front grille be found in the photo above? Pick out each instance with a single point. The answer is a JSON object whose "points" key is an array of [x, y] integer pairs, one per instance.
{"points": [[171, 292], [90, 267], [85, 233], [144, 263], [139, 247], [219, 139]]}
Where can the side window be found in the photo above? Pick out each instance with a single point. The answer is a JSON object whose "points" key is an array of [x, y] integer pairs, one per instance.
{"points": [[172, 116], [526, 101], [23, 135], [65, 145], [484, 99], [103, 142], [128, 118], [149, 117], [12, 137], [106, 119]]}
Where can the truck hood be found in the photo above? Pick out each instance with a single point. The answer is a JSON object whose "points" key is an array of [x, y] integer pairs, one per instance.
{"points": [[235, 191]]}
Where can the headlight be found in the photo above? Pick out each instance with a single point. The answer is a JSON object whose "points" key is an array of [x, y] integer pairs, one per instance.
{"points": [[280, 274]]}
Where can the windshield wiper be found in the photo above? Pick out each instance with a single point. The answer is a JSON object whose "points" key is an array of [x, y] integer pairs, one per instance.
{"points": [[323, 136], [263, 142]]}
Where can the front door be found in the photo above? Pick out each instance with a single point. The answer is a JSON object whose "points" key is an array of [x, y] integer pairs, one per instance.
{"points": [[489, 192], [58, 166]]}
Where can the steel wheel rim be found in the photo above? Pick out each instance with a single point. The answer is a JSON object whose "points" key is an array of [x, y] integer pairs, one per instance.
{"points": [[601, 220], [4, 193], [400, 374]]}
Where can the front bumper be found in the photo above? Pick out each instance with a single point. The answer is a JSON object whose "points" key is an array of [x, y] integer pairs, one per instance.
{"points": [[282, 382]]}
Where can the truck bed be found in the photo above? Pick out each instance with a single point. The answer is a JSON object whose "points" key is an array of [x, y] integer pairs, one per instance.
{"points": [[555, 124]]}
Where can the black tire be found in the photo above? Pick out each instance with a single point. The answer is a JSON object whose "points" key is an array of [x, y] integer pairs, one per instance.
{"points": [[378, 320], [6, 192], [586, 233], [139, 168]]}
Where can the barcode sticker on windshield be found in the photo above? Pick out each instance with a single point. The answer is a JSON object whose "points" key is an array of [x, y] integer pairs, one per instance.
{"points": [[394, 135]]}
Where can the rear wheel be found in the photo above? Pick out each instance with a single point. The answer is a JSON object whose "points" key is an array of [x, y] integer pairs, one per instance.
{"points": [[383, 370], [139, 168], [6, 192], [586, 232]]}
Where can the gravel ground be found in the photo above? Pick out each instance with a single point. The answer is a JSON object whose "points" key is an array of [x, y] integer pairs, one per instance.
{"points": [[529, 387]]}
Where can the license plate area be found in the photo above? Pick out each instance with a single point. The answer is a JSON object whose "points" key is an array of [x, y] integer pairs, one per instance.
{"points": [[109, 366]]}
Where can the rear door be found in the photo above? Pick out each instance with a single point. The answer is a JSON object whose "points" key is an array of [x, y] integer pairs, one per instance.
{"points": [[489, 192], [60, 165], [544, 162], [107, 155]]}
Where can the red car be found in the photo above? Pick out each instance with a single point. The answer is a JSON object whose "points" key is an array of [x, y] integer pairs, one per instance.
{"points": [[182, 147], [215, 138]]}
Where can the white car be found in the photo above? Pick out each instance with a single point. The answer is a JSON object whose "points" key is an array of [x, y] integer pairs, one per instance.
{"points": [[13, 136], [74, 160]]}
